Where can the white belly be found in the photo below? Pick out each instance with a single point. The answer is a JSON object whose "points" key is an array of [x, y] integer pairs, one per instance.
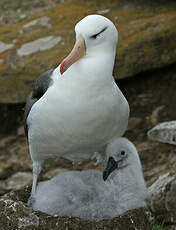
{"points": [[61, 123]]}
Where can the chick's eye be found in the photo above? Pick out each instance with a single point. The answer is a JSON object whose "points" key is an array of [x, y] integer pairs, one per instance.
{"points": [[122, 153]]}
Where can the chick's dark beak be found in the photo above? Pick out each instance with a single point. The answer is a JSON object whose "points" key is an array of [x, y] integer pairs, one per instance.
{"points": [[111, 166]]}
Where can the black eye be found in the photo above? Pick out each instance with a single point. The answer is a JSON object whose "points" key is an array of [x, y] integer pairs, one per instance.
{"points": [[94, 36], [122, 153]]}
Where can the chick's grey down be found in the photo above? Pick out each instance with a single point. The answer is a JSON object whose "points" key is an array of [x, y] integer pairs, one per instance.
{"points": [[78, 112], [85, 194]]}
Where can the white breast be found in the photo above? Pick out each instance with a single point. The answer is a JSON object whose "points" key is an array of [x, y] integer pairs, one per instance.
{"points": [[71, 118]]}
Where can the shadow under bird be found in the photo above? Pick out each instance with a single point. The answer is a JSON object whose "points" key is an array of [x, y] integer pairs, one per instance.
{"points": [[88, 195], [77, 109]]}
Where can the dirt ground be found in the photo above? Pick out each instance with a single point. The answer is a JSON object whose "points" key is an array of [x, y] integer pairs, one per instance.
{"points": [[152, 100]]}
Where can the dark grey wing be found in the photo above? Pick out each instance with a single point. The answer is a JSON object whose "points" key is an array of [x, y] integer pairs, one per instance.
{"points": [[40, 87]]}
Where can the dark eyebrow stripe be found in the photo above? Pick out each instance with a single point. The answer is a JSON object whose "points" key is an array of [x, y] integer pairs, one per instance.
{"points": [[100, 32]]}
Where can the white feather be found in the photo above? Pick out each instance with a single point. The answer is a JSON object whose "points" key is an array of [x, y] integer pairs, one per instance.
{"points": [[84, 193], [84, 109]]}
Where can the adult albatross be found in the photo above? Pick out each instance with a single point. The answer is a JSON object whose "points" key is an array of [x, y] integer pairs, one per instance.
{"points": [[77, 109]]}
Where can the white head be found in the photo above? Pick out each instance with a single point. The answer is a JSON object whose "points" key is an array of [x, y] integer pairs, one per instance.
{"points": [[95, 35], [120, 154], [97, 32]]}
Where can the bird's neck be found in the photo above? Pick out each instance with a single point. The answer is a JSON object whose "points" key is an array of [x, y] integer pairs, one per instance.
{"points": [[130, 175], [93, 67]]}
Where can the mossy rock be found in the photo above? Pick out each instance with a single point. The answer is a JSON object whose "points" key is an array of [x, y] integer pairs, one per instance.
{"points": [[147, 32]]}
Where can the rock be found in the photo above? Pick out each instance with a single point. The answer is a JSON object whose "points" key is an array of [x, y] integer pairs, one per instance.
{"points": [[14, 214], [134, 122], [15, 182], [144, 146], [53, 172], [14, 156], [42, 21], [4, 46], [164, 132], [38, 45], [22, 16], [4, 141], [18, 180], [20, 131], [155, 114], [103, 11], [161, 198], [146, 40]]}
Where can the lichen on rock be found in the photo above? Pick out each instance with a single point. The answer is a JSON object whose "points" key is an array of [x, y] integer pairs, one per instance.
{"points": [[4, 46], [147, 32], [161, 198], [38, 45], [42, 21]]}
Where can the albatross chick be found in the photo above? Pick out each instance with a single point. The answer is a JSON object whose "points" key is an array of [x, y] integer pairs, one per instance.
{"points": [[85, 194]]}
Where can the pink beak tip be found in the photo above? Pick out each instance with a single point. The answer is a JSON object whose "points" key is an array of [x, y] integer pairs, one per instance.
{"points": [[62, 67]]}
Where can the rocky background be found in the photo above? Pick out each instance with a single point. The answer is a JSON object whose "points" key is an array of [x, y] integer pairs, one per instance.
{"points": [[34, 37]]}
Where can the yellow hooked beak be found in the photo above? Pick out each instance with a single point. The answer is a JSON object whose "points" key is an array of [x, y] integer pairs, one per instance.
{"points": [[78, 51]]}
